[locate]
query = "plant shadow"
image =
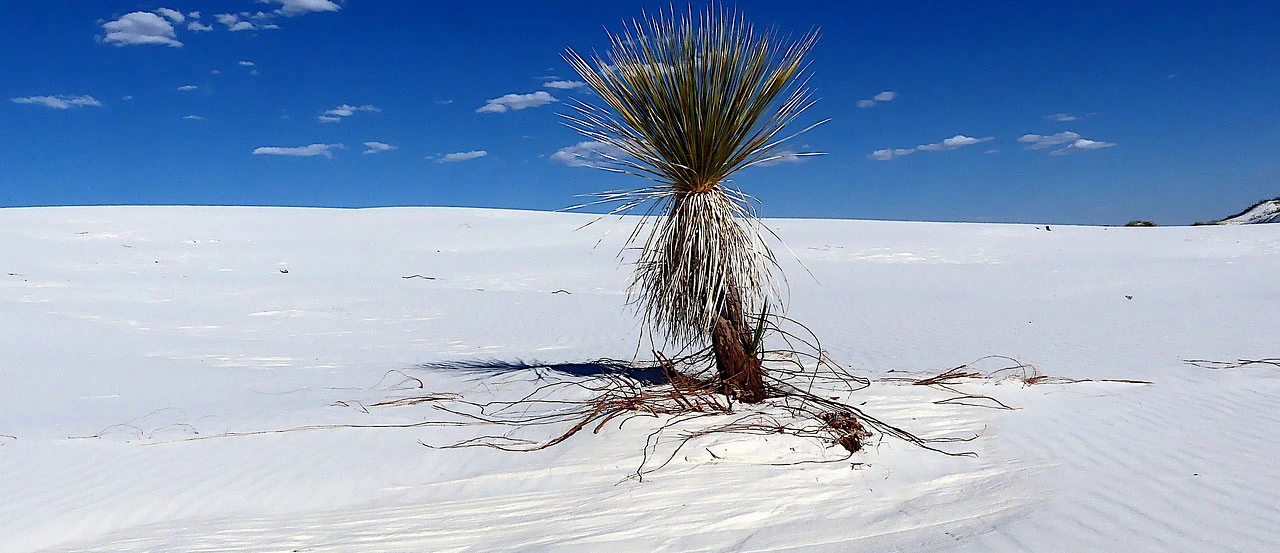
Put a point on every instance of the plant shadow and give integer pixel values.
(646, 374)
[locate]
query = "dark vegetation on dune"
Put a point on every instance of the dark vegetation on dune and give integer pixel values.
(1240, 213)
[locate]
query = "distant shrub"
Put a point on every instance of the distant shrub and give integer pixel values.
(1139, 223)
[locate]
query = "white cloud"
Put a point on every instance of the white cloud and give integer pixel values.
(290, 8)
(188, 88)
(246, 63)
(1083, 144)
(378, 147)
(215, 72)
(127, 97)
(955, 142)
(1040, 142)
(788, 156)
(311, 150)
(233, 22)
(511, 102)
(1073, 143)
(194, 15)
(586, 154)
(890, 153)
(886, 96)
(198, 26)
(140, 28)
(445, 102)
(59, 101)
(173, 15)
(193, 118)
(564, 85)
(1086, 144)
(345, 110)
(1061, 117)
(270, 26)
(460, 156)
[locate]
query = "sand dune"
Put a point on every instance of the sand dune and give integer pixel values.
(135, 339)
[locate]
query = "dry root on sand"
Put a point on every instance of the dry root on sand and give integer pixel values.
(1237, 364)
(1016, 371)
(803, 391)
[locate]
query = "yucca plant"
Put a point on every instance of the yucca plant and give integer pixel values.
(690, 101)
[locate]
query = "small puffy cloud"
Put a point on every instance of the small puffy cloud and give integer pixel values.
(291, 8)
(58, 101)
(127, 97)
(1061, 117)
(890, 153)
(564, 85)
(198, 26)
(1040, 142)
(955, 142)
(1083, 144)
(270, 27)
(444, 102)
(171, 14)
(586, 154)
(234, 23)
(194, 15)
(188, 88)
(193, 118)
(246, 63)
(378, 147)
(886, 96)
(136, 28)
(345, 110)
(787, 156)
(1086, 144)
(460, 156)
(1066, 143)
(512, 102)
(311, 150)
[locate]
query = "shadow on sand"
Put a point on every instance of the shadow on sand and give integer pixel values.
(647, 374)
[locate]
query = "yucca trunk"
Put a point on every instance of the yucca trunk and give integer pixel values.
(740, 371)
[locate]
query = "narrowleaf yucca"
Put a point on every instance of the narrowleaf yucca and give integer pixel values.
(690, 101)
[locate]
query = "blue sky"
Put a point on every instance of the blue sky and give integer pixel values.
(1065, 112)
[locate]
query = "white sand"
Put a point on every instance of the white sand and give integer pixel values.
(145, 325)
